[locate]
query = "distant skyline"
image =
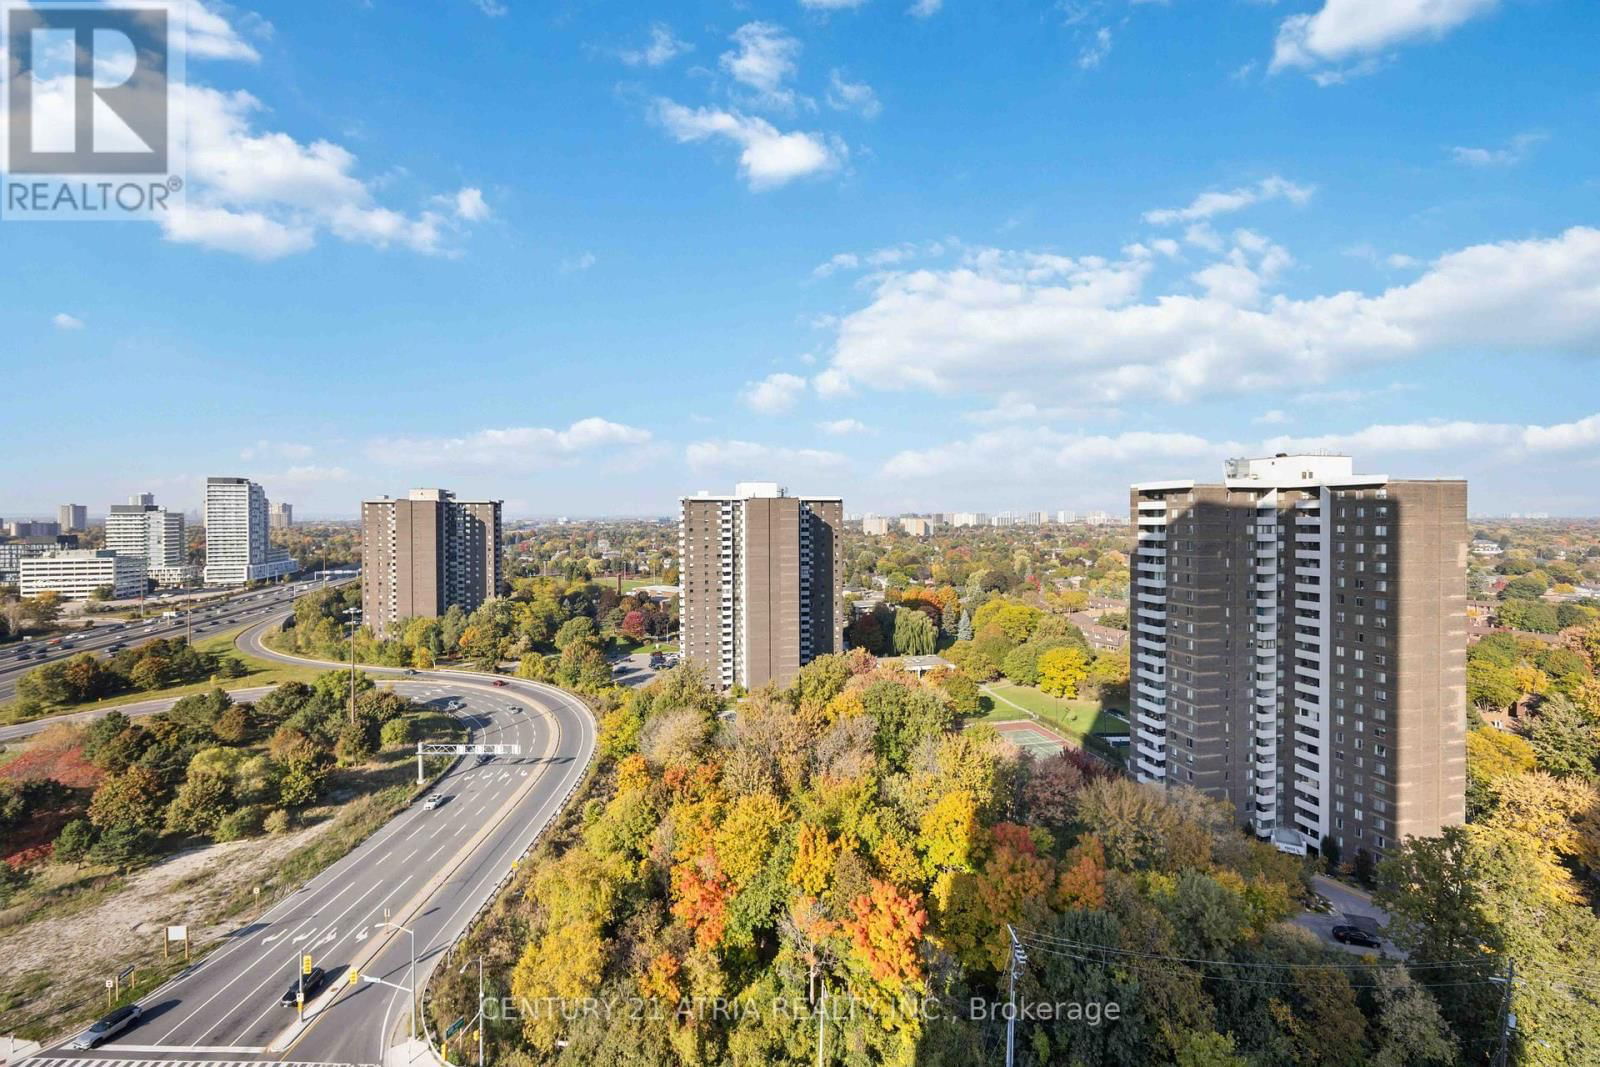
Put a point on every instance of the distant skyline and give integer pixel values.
(930, 256)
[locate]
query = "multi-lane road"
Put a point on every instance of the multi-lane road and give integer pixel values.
(428, 870)
(198, 619)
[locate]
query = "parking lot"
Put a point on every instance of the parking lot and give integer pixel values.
(1348, 903)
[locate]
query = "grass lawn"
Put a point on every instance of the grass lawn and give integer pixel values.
(1078, 720)
(634, 583)
(257, 672)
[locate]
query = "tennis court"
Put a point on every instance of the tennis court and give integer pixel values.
(1031, 736)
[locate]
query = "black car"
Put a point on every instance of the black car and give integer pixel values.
(1354, 935)
(314, 982)
(113, 1024)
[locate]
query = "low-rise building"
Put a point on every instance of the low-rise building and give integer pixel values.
(12, 553)
(874, 526)
(77, 575)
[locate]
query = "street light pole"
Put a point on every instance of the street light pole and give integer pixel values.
(413, 989)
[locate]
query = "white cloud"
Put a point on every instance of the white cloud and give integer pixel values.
(768, 157)
(1209, 205)
(207, 35)
(925, 8)
(1506, 438)
(520, 446)
(1050, 326)
(308, 474)
(662, 49)
(284, 449)
(774, 394)
(1094, 53)
(752, 460)
(764, 60)
(831, 5)
(888, 256)
(1511, 153)
(470, 205)
(842, 427)
(62, 321)
(493, 8)
(1345, 30)
(576, 264)
(1270, 418)
(265, 195)
(1018, 453)
(852, 96)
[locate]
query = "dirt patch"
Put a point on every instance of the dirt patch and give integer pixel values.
(126, 925)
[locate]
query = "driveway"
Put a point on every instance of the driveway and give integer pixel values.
(632, 670)
(1348, 902)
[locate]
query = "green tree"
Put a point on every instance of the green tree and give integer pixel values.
(914, 633)
(130, 800)
(74, 841)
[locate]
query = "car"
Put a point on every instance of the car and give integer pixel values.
(433, 801)
(499, 682)
(313, 982)
(114, 647)
(108, 1026)
(411, 670)
(1354, 935)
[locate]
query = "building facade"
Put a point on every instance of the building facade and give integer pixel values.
(72, 517)
(12, 553)
(427, 552)
(281, 516)
(32, 528)
(762, 584)
(155, 535)
(238, 549)
(77, 575)
(875, 525)
(1299, 648)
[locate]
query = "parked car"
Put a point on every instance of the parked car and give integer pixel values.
(108, 1027)
(1354, 935)
(313, 982)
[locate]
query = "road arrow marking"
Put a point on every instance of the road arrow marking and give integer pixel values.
(362, 936)
(301, 938)
(332, 935)
(274, 937)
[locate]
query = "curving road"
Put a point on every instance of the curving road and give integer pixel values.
(427, 870)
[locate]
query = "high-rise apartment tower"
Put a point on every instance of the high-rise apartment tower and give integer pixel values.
(761, 582)
(422, 554)
(1299, 648)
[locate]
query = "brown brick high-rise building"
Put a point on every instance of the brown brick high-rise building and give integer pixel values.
(425, 553)
(1299, 648)
(761, 582)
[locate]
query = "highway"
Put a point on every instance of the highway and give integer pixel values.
(210, 618)
(428, 870)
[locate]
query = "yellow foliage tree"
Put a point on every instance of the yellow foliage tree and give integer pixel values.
(1062, 670)
(815, 855)
(563, 965)
(950, 833)
(747, 834)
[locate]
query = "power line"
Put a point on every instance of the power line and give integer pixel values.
(1049, 939)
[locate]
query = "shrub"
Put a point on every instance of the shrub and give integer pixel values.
(246, 822)
(397, 733)
(277, 822)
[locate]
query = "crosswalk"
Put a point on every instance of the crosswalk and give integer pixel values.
(48, 1060)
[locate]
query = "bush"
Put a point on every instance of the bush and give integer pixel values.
(246, 822)
(74, 841)
(397, 733)
(277, 822)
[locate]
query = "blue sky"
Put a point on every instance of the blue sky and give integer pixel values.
(935, 256)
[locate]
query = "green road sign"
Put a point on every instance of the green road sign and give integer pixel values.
(455, 1028)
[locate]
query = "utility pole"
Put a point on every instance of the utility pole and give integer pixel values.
(1508, 1021)
(480, 1009)
(822, 1018)
(1018, 956)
